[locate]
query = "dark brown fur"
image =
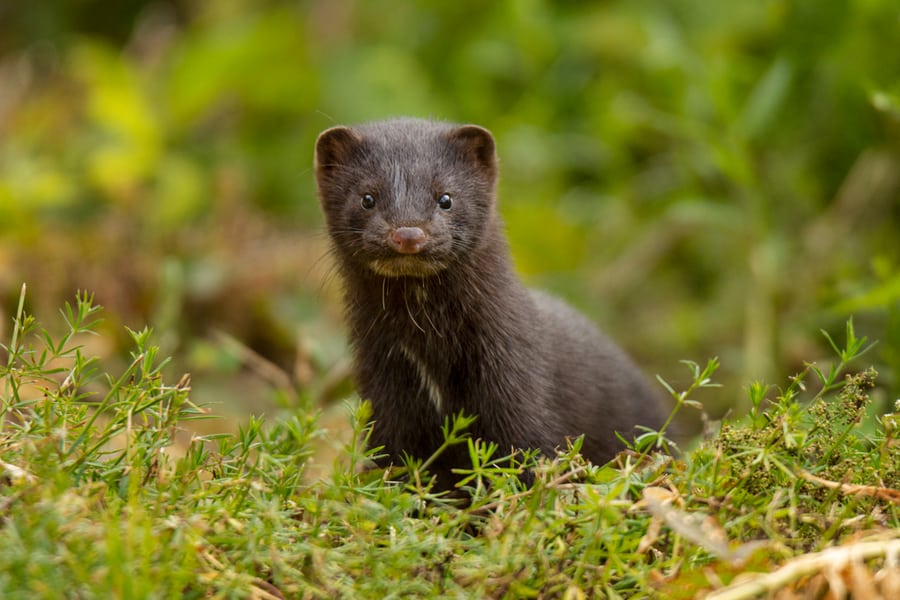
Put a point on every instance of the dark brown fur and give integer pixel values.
(449, 327)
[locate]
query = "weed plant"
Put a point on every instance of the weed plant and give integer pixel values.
(94, 503)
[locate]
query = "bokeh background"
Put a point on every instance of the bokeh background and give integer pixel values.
(702, 178)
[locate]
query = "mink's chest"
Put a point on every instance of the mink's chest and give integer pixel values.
(439, 343)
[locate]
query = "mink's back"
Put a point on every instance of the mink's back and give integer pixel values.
(599, 390)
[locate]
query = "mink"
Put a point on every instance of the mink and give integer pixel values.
(439, 323)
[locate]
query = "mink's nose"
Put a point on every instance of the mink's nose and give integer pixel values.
(407, 240)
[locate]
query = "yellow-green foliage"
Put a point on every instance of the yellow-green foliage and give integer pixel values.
(703, 178)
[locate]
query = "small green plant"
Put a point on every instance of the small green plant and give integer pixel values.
(95, 502)
(98, 500)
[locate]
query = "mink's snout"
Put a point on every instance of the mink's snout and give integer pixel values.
(407, 240)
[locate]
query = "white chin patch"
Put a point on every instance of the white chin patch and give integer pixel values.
(405, 266)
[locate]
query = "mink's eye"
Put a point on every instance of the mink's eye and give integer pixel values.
(445, 202)
(367, 201)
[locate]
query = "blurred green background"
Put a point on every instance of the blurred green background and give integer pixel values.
(703, 179)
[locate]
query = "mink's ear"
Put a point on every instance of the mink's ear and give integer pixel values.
(334, 148)
(476, 144)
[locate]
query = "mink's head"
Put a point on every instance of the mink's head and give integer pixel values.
(407, 197)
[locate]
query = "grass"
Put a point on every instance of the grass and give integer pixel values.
(801, 494)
